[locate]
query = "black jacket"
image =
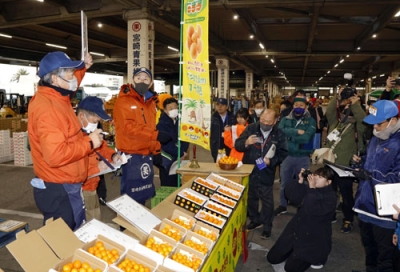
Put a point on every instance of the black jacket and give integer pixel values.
(255, 151)
(217, 128)
(253, 118)
(310, 229)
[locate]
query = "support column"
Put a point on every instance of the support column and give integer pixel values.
(249, 83)
(223, 76)
(140, 40)
(368, 85)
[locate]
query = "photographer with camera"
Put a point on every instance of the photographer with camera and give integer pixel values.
(389, 93)
(346, 134)
(307, 239)
(379, 165)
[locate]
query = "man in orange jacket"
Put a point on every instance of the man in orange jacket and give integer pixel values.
(59, 149)
(135, 134)
(89, 112)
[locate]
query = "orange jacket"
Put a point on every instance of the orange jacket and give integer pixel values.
(135, 122)
(59, 150)
(230, 138)
(106, 152)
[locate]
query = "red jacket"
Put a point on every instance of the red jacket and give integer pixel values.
(59, 149)
(135, 122)
(106, 152)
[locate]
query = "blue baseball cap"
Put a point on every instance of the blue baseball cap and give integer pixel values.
(142, 70)
(55, 60)
(94, 104)
(222, 101)
(380, 111)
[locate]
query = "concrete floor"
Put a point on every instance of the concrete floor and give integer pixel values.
(16, 202)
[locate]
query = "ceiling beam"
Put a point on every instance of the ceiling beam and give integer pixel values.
(311, 35)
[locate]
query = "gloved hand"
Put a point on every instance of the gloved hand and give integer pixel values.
(362, 174)
(163, 137)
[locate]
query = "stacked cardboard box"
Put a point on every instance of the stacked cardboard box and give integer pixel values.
(22, 156)
(5, 146)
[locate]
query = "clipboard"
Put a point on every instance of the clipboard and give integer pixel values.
(386, 195)
(341, 170)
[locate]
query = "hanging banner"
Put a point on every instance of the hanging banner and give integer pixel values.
(196, 104)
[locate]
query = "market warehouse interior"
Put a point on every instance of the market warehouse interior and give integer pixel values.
(294, 44)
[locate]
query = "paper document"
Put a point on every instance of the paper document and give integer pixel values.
(124, 159)
(341, 170)
(271, 152)
(174, 166)
(385, 196)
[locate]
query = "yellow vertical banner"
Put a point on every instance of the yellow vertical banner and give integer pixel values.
(196, 104)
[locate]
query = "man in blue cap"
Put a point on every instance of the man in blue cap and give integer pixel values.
(379, 165)
(220, 119)
(135, 134)
(59, 149)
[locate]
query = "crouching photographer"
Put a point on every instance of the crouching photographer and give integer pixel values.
(379, 165)
(307, 239)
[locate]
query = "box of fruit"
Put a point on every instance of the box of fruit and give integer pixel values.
(182, 219)
(105, 249)
(41, 249)
(81, 261)
(223, 200)
(217, 209)
(186, 256)
(134, 261)
(206, 231)
(190, 200)
(198, 242)
(204, 187)
(228, 192)
(211, 219)
(171, 229)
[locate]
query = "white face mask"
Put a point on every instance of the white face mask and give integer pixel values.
(72, 84)
(90, 126)
(173, 113)
(258, 111)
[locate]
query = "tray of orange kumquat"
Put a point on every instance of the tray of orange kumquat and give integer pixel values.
(217, 209)
(210, 219)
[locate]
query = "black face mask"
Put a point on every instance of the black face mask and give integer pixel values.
(266, 128)
(141, 88)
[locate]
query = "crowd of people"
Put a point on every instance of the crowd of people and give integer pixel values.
(68, 152)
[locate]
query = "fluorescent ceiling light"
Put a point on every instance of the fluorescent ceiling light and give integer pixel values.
(173, 48)
(382, 75)
(341, 60)
(99, 25)
(347, 56)
(362, 80)
(266, 56)
(336, 65)
(55, 45)
(358, 48)
(328, 72)
(97, 54)
(373, 77)
(235, 16)
(275, 66)
(272, 60)
(374, 36)
(397, 14)
(5, 36)
(261, 45)
(40, 0)
(251, 36)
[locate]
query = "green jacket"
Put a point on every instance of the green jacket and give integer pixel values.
(295, 141)
(346, 148)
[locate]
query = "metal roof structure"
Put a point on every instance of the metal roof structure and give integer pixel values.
(305, 42)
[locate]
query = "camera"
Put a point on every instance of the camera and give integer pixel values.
(396, 81)
(348, 92)
(305, 176)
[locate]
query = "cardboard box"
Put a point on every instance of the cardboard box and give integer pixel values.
(185, 220)
(108, 245)
(190, 200)
(159, 238)
(206, 231)
(82, 256)
(42, 249)
(210, 219)
(163, 268)
(181, 230)
(228, 192)
(9, 229)
(204, 187)
(217, 209)
(234, 186)
(223, 200)
(138, 258)
(217, 178)
(200, 240)
(185, 250)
